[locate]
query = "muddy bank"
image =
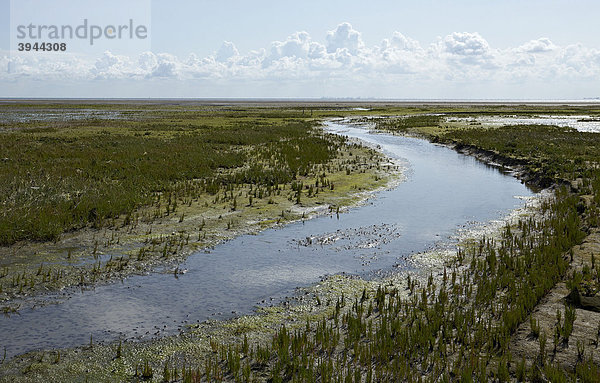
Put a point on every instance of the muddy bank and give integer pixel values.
(327, 293)
(517, 166)
(549, 316)
(31, 273)
(118, 361)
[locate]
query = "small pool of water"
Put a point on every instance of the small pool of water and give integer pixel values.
(443, 191)
(580, 123)
(13, 116)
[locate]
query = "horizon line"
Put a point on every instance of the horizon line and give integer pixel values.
(304, 99)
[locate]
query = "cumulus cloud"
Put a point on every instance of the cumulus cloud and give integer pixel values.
(109, 66)
(344, 37)
(50, 66)
(164, 69)
(147, 61)
(402, 42)
(317, 51)
(537, 46)
(296, 45)
(340, 55)
(466, 44)
(226, 52)
(579, 61)
(464, 49)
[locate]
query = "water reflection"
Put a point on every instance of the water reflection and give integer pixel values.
(444, 190)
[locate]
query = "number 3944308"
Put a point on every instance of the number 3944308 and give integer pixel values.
(44, 47)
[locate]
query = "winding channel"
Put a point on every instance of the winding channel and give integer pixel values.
(443, 192)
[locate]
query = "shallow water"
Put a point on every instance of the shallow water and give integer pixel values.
(579, 123)
(60, 115)
(444, 191)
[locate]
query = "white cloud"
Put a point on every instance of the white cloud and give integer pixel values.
(462, 51)
(580, 62)
(50, 66)
(110, 66)
(226, 52)
(147, 61)
(343, 58)
(316, 51)
(466, 44)
(297, 45)
(402, 42)
(344, 36)
(164, 69)
(537, 46)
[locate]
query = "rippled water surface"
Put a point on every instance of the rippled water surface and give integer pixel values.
(62, 114)
(580, 123)
(443, 191)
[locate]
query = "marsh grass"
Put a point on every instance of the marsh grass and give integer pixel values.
(459, 328)
(65, 177)
(407, 124)
(555, 153)
(454, 328)
(149, 189)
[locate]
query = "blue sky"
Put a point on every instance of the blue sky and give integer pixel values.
(386, 49)
(254, 24)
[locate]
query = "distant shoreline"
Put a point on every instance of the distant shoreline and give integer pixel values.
(296, 101)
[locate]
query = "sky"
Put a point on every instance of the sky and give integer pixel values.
(428, 49)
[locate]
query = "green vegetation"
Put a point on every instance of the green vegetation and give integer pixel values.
(55, 179)
(156, 183)
(455, 327)
(461, 328)
(407, 124)
(549, 154)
